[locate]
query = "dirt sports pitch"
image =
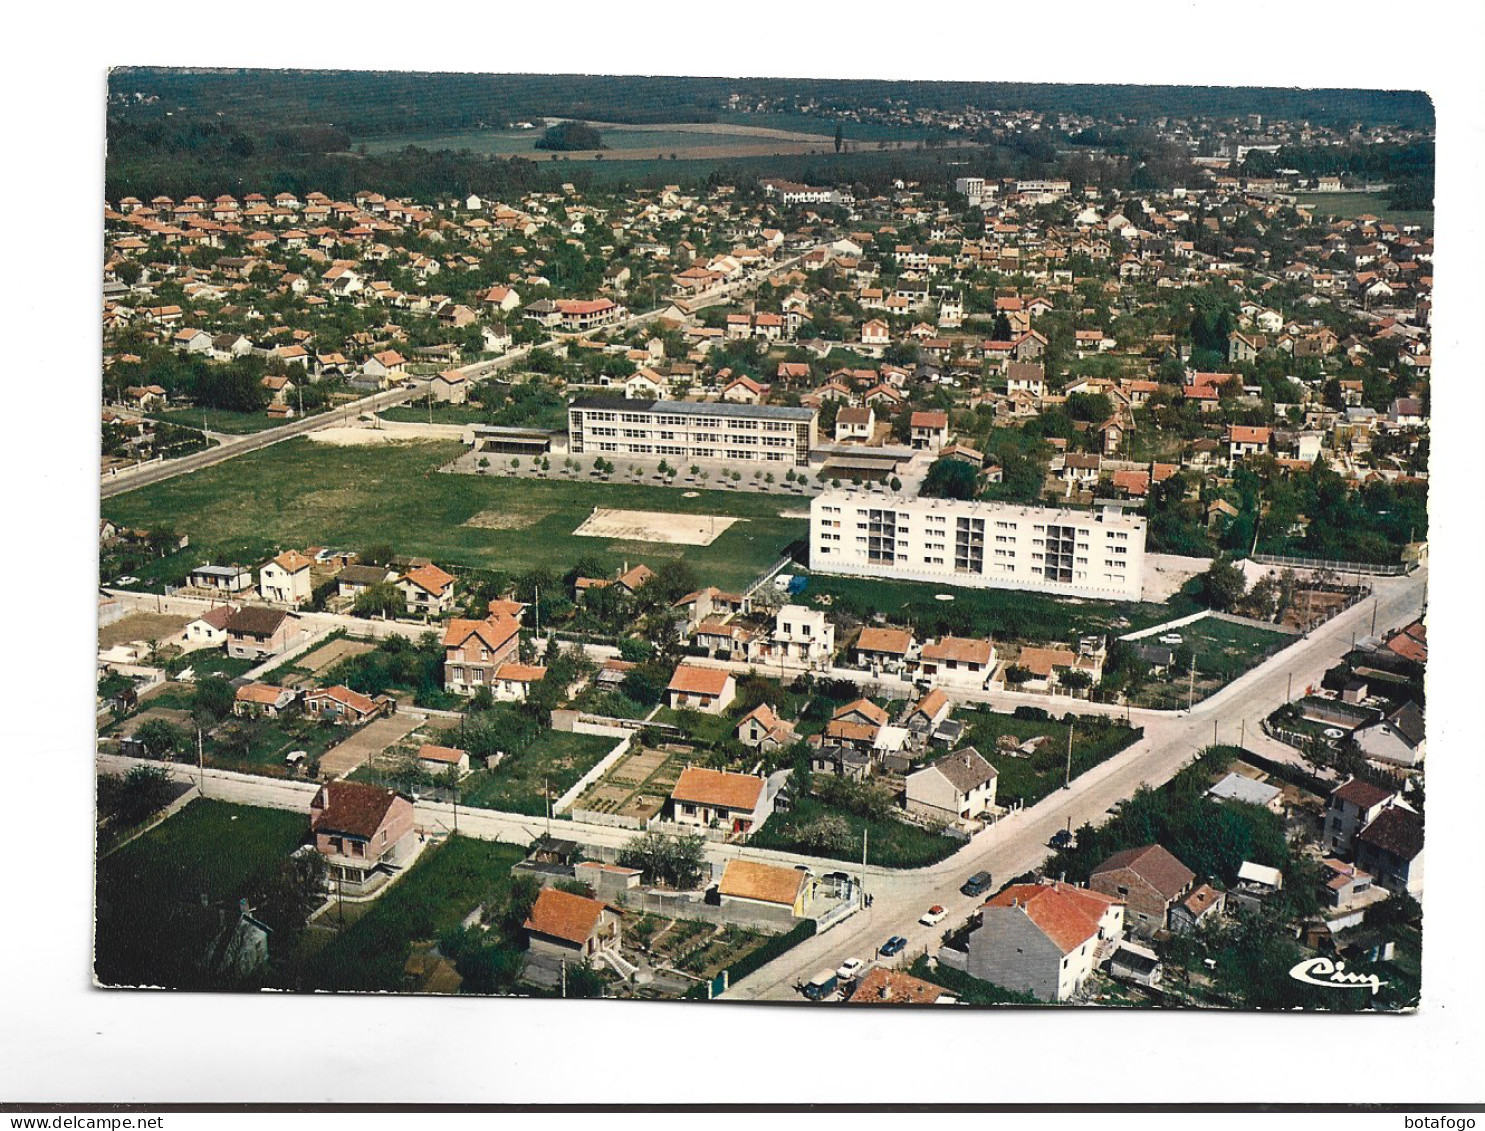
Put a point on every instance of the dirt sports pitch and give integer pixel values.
(654, 526)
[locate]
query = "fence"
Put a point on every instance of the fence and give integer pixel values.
(1376, 569)
(603, 766)
(755, 960)
(612, 820)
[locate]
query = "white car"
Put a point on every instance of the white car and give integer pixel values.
(933, 916)
(849, 969)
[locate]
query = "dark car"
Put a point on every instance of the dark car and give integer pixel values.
(1061, 839)
(892, 946)
(978, 884)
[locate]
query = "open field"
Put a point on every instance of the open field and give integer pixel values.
(1345, 205)
(1223, 651)
(141, 626)
(299, 493)
(553, 763)
(654, 526)
(218, 420)
(979, 612)
(1029, 778)
(890, 843)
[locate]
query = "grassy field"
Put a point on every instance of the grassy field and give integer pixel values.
(980, 612)
(151, 926)
(1223, 651)
(1029, 779)
(301, 493)
(441, 414)
(555, 762)
(890, 843)
(446, 884)
(1345, 205)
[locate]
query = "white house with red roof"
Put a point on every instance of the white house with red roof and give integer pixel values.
(1045, 939)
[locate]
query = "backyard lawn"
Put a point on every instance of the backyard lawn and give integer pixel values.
(219, 420)
(555, 761)
(302, 493)
(447, 883)
(1223, 651)
(890, 843)
(1030, 778)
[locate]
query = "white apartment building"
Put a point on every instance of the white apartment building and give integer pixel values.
(1056, 550)
(691, 430)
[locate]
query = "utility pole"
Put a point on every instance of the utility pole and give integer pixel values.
(1214, 732)
(547, 793)
(1191, 685)
(200, 762)
(1067, 777)
(1374, 618)
(1242, 734)
(1289, 695)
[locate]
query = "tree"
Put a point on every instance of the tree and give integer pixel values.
(213, 697)
(381, 600)
(950, 479)
(1222, 586)
(840, 137)
(675, 861)
(583, 981)
(1016, 675)
(520, 898)
(160, 739)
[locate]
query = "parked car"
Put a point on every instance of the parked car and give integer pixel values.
(933, 916)
(978, 884)
(822, 985)
(892, 946)
(849, 969)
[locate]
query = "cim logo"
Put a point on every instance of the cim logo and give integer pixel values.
(1332, 975)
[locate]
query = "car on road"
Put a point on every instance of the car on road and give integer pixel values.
(1061, 839)
(892, 946)
(821, 986)
(978, 884)
(933, 916)
(127, 579)
(849, 969)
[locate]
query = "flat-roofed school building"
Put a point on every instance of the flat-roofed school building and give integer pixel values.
(691, 430)
(1058, 550)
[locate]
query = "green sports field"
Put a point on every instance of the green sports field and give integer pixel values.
(304, 493)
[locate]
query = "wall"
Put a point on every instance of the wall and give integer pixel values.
(603, 766)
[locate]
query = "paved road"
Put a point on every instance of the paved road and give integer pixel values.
(1017, 844)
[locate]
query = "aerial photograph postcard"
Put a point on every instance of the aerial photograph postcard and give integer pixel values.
(719, 540)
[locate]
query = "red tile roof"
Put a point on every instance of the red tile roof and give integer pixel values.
(701, 786)
(562, 915)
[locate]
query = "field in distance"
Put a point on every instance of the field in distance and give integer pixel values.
(299, 493)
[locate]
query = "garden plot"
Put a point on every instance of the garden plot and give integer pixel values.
(636, 786)
(654, 526)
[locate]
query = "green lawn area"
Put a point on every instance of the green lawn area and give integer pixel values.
(556, 761)
(302, 493)
(442, 414)
(1223, 651)
(211, 661)
(1346, 205)
(151, 927)
(1029, 779)
(220, 420)
(448, 882)
(708, 730)
(980, 612)
(253, 745)
(890, 843)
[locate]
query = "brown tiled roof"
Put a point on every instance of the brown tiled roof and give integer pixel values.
(884, 986)
(1397, 831)
(1200, 899)
(256, 620)
(1155, 865)
(767, 883)
(960, 649)
(428, 752)
(1362, 794)
(1067, 915)
(353, 808)
(258, 693)
(932, 703)
(494, 631)
(430, 578)
(292, 561)
(693, 679)
(865, 707)
(342, 694)
(965, 770)
(894, 640)
(219, 616)
(1041, 661)
(521, 673)
(701, 786)
(562, 915)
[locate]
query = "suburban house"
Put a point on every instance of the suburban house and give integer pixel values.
(355, 579)
(1044, 939)
(513, 682)
(1345, 884)
(957, 661)
(1236, 787)
(474, 650)
(853, 424)
(1205, 904)
(286, 579)
(696, 688)
(563, 928)
(211, 626)
(254, 699)
(342, 705)
(1351, 807)
(856, 724)
(1391, 849)
(1149, 880)
(883, 649)
(361, 830)
(702, 797)
(766, 887)
(956, 787)
(762, 727)
(256, 631)
(1397, 740)
(221, 579)
(428, 590)
(802, 634)
(439, 760)
(928, 713)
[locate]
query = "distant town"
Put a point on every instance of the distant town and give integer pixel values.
(897, 589)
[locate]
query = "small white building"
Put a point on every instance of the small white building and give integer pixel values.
(286, 580)
(802, 634)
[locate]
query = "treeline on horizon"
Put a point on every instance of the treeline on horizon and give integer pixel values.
(378, 103)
